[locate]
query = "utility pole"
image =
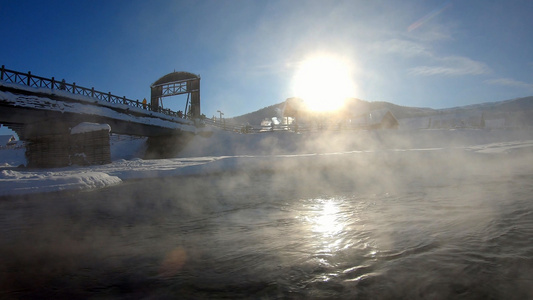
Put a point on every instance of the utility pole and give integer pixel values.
(223, 121)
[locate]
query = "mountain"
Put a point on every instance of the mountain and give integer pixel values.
(354, 106)
(509, 113)
(513, 105)
(255, 118)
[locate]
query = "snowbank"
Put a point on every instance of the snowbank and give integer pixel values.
(16, 183)
(277, 152)
(89, 127)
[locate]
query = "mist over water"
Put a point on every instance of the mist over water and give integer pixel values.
(394, 222)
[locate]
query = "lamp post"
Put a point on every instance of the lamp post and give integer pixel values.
(223, 121)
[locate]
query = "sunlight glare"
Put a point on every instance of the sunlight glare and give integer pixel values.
(326, 222)
(324, 82)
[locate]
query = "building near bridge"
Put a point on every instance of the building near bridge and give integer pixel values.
(296, 115)
(7, 140)
(377, 119)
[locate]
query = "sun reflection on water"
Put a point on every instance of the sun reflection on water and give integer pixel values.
(327, 221)
(339, 238)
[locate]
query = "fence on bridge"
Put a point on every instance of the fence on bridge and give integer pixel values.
(229, 125)
(31, 80)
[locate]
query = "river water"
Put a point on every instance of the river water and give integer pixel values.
(392, 225)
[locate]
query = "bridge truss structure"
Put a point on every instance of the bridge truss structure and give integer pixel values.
(178, 83)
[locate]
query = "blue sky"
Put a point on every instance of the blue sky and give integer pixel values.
(423, 53)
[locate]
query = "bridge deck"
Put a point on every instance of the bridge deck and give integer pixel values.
(28, 106)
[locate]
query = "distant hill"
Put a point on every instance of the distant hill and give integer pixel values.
(355, 106)
(255, 118)
(507, 106)
(509, 113)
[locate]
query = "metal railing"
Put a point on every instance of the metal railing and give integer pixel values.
(31, 80)
(229, 125)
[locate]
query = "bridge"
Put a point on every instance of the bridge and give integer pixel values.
(43, 111)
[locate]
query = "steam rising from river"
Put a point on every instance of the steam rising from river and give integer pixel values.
(309, 216)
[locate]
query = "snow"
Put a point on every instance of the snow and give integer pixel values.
(14, 182)
(506, 147)
(231, 152)
(89, 127)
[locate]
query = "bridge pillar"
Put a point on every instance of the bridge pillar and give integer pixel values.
(84, 146)
(48, 151)
(166, 146)
(90, 147)
(155, 94)
(195, 104)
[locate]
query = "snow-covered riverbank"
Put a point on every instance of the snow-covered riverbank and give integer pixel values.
(229, 152)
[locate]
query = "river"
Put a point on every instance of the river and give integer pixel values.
(395, 225)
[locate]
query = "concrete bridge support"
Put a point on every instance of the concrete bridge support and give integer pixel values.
(167, 146)
(90, 148)
(86, 146)
(48, 151)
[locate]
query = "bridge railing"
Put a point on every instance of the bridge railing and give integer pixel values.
(31, 80)
(228, 125)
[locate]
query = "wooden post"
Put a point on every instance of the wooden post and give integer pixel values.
(53, 83)
(29, 76)
(2, 73)
(92, 92)
(74, 88)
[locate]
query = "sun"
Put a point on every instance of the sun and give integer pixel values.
(324, 82)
